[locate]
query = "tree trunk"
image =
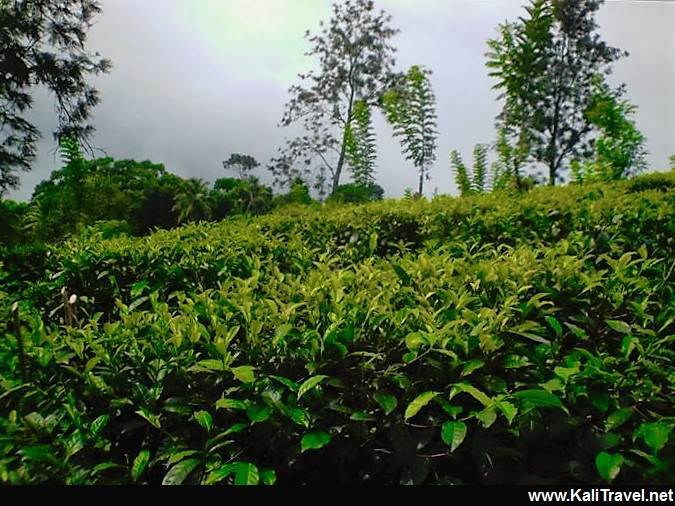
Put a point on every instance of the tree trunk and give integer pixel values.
(551, 173)
(421, 187)
(340, 164)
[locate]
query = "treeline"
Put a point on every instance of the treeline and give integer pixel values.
(559, 112)
(118, 197)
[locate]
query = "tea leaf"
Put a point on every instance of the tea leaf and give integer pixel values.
(247, 474)
(314, 441)
(418, 403)
(310, 383)
(244, 373)
(139, 464)
(453, 434)
(608, 465)
(387, 402)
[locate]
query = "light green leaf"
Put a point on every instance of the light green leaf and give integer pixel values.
(247, 474)
(453, 434)
(209, 365)
(282, 331)
(508, 410)
(139, 465)
(608, 465)
(414, 341)
(314, 441)
(515, 361)
(418, 403)
(471, 366)
(152, 418)
(307, 385)
(540, 399)
(618, 418)
(98, 425)
(619, 326)
(372, 243)
(565, 373)
(224, 403)
(487, 417)
(300, 416)
(204, 419)
(219, 474)
(244, 373)
(629, 344)
(472, 391)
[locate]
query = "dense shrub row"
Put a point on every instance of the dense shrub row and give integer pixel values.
(479, 340)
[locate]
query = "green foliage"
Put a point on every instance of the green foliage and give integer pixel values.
(545, 65)
(84, 192)
(619, 146)
(486, 339)
(192, 203)
(240, 196)
(507, 170)
(299, 194)
(43, 46)
(356, 194)
(353, 63)
(12, 216)
(471, 181)
(411, 110)
(360, 147)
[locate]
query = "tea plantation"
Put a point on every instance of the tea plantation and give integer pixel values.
(494, 339)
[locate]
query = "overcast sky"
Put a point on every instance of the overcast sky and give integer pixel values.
(195, 80)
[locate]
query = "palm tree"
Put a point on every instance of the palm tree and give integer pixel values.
(192, 202)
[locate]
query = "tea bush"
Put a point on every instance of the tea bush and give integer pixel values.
(487, 339)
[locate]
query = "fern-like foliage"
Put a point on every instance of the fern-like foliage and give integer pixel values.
(411, 110)
(461, 173)
(471, 180)
(70, 151)
(480, 168)
(360, 147)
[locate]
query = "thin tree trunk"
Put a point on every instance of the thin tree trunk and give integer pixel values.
(421, 187)
(343, 148)
(340, 164)
(551, 173)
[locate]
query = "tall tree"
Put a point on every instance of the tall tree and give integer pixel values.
(42, 43)
(411, 110)
(545, 64)
(355, 61)
(618, 148)
(243, 165)
(360, 145)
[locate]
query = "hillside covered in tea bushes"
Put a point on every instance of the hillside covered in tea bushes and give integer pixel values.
(520, 339)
